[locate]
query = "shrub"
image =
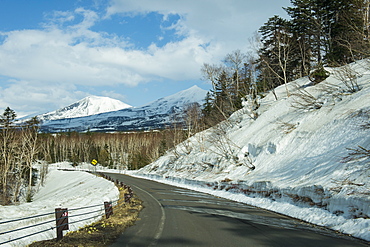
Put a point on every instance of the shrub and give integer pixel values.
(319, 74)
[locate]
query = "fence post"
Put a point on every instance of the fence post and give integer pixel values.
(128, 197)
(61, 217)
(108, 209)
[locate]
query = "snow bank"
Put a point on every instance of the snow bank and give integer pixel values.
(297, 152)
(65, 189)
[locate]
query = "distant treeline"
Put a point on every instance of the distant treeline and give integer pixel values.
(23, 145)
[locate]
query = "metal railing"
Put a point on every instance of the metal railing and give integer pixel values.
(64, 217)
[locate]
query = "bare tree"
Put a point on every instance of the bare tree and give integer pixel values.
(193, 122)
(358, 24)
(8, 149)
(356, 154)
(283, 54)
(235, 60)
(251, 96)
(30, 136)
(348, 77)
(223, 145)
(303, 100)
(211, 73)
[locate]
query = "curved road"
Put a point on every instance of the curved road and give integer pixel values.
(174, 216)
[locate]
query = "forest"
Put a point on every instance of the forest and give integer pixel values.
(22, 145)
(318, 33)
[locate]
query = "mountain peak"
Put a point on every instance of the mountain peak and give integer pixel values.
(87, 106)
(190, 95)
(155, 115)
(195, 87)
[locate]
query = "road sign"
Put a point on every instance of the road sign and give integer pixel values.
(94, 162)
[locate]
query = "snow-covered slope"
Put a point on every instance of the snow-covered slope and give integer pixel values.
(66, 189)
(157, 114)
(90, 105)
(297, 145)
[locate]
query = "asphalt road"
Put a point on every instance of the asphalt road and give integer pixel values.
(179, 217)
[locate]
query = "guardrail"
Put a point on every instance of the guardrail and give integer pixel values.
(64, 217)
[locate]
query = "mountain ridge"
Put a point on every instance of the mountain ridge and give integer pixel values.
(87, 106)
(154, 115)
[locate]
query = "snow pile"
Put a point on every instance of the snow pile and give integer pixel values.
(297, 145)
(63, 189)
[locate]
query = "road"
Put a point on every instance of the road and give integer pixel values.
(174, 216)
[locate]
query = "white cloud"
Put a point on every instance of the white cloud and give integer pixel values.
(27, 97)
(52, 62)
(114, 95)
(227, 22)
(78, 55)
(48, 64)
(69, 52)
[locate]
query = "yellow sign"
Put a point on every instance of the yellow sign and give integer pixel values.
(94, 162)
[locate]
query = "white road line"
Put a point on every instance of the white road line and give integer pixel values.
(161, 223)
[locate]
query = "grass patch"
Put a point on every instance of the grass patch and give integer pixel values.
(103, 232)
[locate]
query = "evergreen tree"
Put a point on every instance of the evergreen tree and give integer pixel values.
(329, 31)
(349, 31)
(302, 28)
(225, 97)
(276, 54)
(221, 95)
(7, 118)
(208, 105)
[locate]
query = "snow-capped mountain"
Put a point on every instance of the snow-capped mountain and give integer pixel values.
(155, 115)
(90, 105)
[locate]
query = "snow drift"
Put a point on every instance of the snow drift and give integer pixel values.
(70, 189)
(299, 146)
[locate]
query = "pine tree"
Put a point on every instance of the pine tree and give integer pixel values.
(208, 105)
(276, 55)
(329, 31)
(7, 118)
(302, 28)
(351, 22)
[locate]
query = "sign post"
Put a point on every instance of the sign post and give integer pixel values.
(94, 162)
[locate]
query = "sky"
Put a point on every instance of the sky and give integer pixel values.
(54, 53)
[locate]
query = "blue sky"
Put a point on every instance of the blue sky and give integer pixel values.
(55, 52)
